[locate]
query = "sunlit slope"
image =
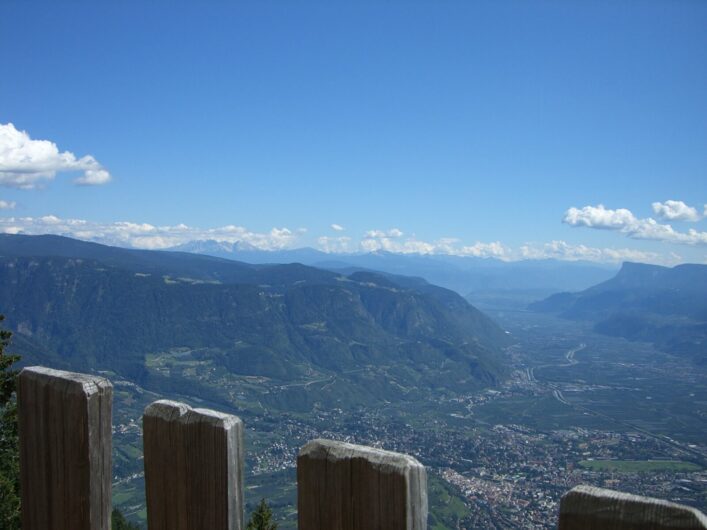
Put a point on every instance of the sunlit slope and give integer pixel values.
(83, 306)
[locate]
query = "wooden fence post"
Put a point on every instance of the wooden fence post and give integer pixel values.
(342, 486)
(193, 468)
(65, 450)
(586, 507)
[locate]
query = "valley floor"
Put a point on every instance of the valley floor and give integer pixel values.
(578, 408)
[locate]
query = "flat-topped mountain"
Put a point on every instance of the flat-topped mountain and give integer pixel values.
(667, 306)
(84, 305)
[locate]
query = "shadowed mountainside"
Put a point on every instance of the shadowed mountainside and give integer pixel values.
(83, 305)
(666, 306)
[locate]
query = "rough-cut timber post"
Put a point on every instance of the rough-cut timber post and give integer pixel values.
(65, 450)
(586, 507)
(342, 486)
(193, 468)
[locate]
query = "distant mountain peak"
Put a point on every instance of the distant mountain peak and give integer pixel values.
(663, 305)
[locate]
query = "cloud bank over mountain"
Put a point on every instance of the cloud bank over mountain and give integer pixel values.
(145, 235)
(148, 236)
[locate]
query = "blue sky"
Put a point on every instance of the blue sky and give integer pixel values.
(463, 127)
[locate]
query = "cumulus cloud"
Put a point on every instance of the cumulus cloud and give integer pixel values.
(7, 205)
(487, 250)
(565, 251)
(93, 177)
(392, 241)
(147, 236)
(559, 250)
(624, 221)
(382, 234)
(26, 163)
(675, 211)
(377, 240)
(599, 217)
(335, 245)
(408, 246)
(337, 228)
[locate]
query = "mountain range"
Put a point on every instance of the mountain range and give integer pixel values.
(463, 274)
(666, 306)
(88, 306)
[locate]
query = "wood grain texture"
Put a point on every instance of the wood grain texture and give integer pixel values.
(342, 486)
(193, 468)
(65, 450)
(586, 507)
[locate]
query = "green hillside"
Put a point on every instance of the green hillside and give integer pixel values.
(95, 307)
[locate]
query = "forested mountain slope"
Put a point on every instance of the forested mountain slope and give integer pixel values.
(89, 306)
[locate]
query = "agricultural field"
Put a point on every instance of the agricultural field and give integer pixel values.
(638, 466)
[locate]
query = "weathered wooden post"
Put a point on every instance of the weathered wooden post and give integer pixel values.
(586, 507)
(193, 468)
(342, 486)
(65, 450)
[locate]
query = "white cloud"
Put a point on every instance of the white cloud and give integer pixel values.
(599, 217)
(380, 234)
(564, 251)
(623, 220)
(335, 245)
(149, 236)
(559, 250)
(27, 163)
(487, 250)
(675, 211)
(392, 241)
(144, 235)
(408, 246)
(7, 205)
(93, 177)
(337, 228)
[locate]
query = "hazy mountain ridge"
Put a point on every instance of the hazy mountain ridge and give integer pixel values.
(110, 308)
(462, 274)
(667, 306)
